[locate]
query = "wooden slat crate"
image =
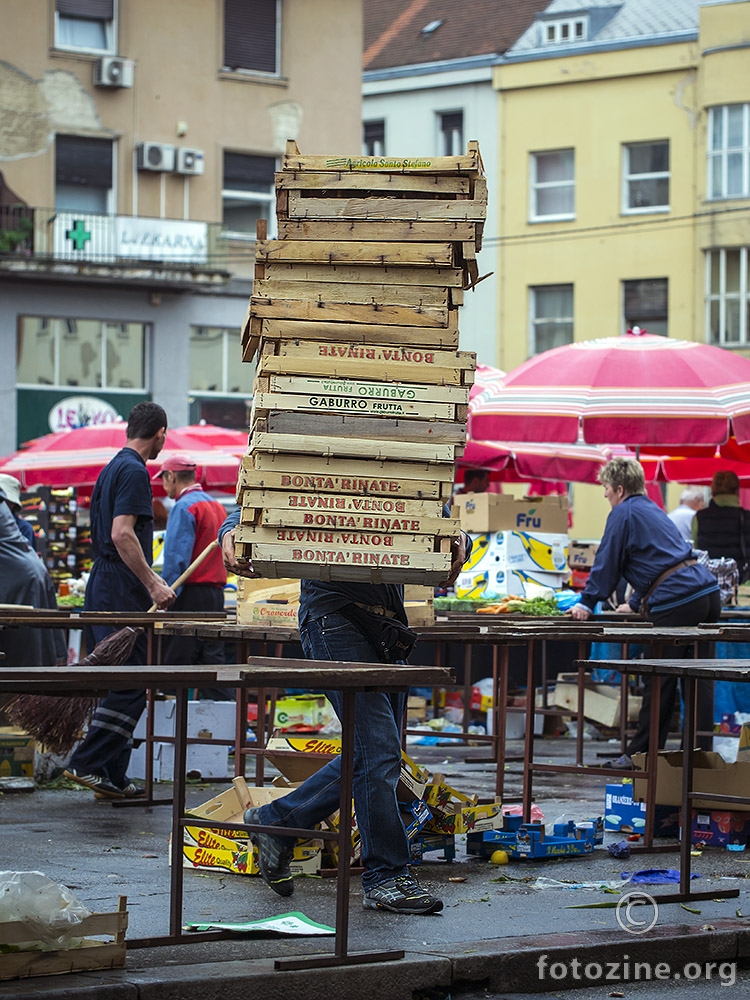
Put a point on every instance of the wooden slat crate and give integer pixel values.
(291, 414)
(92, 954)
(361, 394)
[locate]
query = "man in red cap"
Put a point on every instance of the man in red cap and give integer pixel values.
(193, 523)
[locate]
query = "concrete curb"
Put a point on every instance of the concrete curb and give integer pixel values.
(501, 964)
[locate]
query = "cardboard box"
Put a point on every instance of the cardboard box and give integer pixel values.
(268, 613)
(208, 761)
(711, 774)
(498, 582)
(719, 828)
(303, 712)
(415, 816)
(539, 551)
(219, 849)
(501, 512)
(470, 819)
(621, 811)
(601, 702)
(216, 718)
(16, 753)
(581, 553)
(298, 758)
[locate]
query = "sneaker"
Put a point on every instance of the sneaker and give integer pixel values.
(129, 791)
(623, 763)
(274, 857)
(97, 783)
(401, 894)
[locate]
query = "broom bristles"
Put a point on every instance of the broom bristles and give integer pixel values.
(56, 722)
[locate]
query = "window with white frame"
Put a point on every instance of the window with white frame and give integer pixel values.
(728, 296)
(551, 317)
(451, 128)
(252, 31)
(373, 138)
(86, 25)
(215, 362)
(83, 174)
(553, 185)
(645, 177)
(81, 352)
(645, 303)
(729, 151)
(248, 193)
(568, 29)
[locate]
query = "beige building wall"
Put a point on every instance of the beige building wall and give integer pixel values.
(177, 47)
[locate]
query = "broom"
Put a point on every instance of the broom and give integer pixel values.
(56, 721)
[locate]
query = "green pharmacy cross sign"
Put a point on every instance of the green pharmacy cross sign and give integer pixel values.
(78, 235)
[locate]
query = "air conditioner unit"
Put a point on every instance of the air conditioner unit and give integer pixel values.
(154, 156)
(112, 71)
(189, 161)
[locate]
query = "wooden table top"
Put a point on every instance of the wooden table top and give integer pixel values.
(715, 670)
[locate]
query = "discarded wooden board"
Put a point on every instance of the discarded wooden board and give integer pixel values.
(327, 247)
(364, 448)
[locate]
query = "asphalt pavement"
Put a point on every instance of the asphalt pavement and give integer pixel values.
(504, 929)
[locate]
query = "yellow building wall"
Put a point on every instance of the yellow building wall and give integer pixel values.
(595, 104)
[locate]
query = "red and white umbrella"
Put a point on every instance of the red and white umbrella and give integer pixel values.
(76, 457)
(634, 390)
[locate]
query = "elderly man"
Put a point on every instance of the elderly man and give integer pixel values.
(691, 500)
(12, 490)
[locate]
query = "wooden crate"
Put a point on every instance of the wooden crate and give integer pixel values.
(279, 414)
(93, 954)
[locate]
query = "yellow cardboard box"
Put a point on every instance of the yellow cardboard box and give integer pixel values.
(16, 753)
(470, 819)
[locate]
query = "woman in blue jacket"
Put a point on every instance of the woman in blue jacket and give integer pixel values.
(641, 544)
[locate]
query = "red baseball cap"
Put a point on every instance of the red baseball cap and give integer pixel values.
(178, 461)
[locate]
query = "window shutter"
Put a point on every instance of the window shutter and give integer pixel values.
(250, 35)
(91, 10)
(244, 172)
(83, 161)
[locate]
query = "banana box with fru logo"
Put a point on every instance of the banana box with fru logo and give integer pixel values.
(508, 562)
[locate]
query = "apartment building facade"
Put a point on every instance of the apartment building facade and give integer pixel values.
(138, 144)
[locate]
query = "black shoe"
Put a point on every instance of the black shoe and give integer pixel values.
(623, 763)
(274, 857)
(103, 788)
(401, 894)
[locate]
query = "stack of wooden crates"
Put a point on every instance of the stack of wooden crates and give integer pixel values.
(360, 398)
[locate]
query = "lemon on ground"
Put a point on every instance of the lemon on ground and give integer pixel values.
(499, 858)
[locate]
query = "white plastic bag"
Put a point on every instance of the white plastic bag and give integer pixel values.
(51, 911)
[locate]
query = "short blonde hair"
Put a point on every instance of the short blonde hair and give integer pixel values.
(625, 472)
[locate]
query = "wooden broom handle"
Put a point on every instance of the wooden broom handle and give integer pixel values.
(192, 567)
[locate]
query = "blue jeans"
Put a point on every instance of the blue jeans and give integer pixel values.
(377, 760)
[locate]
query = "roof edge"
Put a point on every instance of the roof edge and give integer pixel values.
(584, 48)
(423, 69)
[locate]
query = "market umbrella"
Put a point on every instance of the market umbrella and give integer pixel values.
(76, 457)
(633, 390)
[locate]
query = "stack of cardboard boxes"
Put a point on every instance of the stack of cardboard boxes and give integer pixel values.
(518, 544)
(52, 513)
(360, 398)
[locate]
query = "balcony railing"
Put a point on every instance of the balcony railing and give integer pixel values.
(45, 233)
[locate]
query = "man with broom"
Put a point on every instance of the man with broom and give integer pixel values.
(121, 580)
